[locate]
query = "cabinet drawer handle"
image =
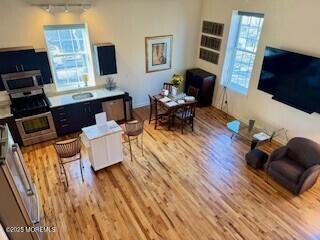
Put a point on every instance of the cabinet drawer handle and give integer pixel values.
(63, 120)
(60, 108)
(62, 114)
(65, 125)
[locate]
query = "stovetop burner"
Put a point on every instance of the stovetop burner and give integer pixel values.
(29, 105)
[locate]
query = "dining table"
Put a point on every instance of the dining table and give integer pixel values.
(172, 104)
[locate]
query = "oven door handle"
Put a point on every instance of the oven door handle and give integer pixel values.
(32, 117)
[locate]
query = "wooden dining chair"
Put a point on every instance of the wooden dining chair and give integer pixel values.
(186, 115)
(152, 108)
(160, 113)
(193, 91)
(132, 131)
(69, 151)
(156, 112)
(168, 86)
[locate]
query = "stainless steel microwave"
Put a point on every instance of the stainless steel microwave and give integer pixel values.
(22, 81)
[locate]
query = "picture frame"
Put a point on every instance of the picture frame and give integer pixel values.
(158, 53)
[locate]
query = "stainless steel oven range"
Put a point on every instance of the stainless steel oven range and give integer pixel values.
(30, 106)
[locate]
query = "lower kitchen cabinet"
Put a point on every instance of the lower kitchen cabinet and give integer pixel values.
(89, 110)
(71, 118)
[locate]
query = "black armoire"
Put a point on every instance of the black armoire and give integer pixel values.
(204, 81)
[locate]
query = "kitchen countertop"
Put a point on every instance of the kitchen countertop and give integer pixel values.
(5, 112)
(66, 99)
(95, 131)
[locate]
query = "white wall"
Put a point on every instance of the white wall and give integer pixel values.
(289, 24)
(122, 22)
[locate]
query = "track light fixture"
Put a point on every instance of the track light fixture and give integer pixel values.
(48, 8)
(63, 7)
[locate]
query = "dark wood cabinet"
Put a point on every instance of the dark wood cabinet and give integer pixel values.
(44, 67)
(106, 59)
(66, 119)
(26, 60)
(88, 111)
(19, 60)
(204, 81)
(71, 118)
(15, 61)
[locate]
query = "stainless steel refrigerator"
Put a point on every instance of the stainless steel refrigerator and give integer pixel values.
(19, 201)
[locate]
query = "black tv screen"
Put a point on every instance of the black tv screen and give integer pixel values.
(292, 78)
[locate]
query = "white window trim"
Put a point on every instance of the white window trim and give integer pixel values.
(231, 51)
(91, 75)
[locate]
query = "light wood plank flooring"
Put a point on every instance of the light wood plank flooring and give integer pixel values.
(191, 186)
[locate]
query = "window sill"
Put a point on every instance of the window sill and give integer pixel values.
(237, 88)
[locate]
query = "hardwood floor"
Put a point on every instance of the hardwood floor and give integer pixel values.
(191, 186)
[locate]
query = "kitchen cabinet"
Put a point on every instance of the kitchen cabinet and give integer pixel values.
(66, 119)
(71, 118)
(106, 59)
(89, 110)
(44, 67)
(104, 144)
(24, 59)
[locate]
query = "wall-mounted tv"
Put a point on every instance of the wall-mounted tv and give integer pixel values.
(292, 78)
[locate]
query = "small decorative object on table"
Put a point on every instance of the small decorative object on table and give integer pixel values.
(110, 84)
(176, 80)
(164, 92)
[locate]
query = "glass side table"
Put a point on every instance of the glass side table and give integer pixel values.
(249, 131)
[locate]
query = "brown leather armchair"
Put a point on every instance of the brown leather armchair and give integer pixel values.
(296, 166)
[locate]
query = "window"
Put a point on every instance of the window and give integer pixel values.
(70, 56)
(243, 40)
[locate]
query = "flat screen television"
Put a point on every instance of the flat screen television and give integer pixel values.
(292, 78)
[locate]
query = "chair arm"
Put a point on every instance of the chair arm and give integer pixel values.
(308, 178)
(276, 155)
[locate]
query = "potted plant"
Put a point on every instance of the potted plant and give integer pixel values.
(176, 80)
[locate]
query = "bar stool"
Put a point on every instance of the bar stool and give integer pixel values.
(132, 131)
(66, 150)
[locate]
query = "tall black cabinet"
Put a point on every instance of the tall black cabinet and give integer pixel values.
(204, 81)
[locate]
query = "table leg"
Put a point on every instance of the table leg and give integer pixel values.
(169, 120)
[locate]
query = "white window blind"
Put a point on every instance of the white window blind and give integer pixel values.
(70, 56)
(242, 46)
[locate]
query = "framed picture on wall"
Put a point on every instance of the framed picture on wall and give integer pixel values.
(158, 53)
